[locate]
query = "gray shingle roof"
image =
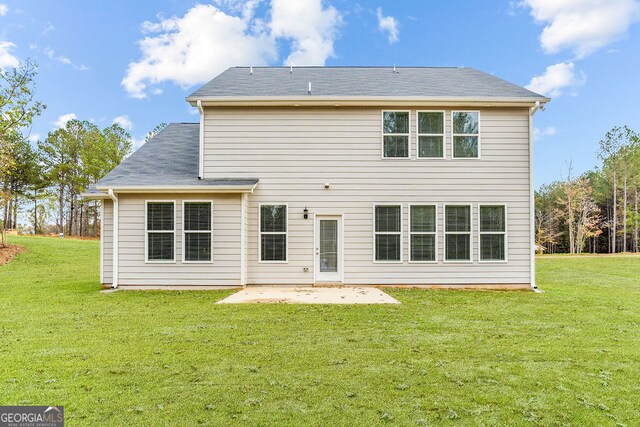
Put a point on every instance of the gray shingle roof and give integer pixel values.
(361, 81)
(169, 159)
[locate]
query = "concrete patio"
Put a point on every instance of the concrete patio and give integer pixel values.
(309, 295)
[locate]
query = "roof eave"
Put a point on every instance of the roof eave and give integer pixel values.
(200, 188)
(339, 101)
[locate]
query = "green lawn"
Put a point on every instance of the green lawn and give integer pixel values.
(568, 356)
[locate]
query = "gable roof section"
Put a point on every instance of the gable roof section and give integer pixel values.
(411, 83)
(168, 161)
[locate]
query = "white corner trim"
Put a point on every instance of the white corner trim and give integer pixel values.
(201, 141)
(116, 243)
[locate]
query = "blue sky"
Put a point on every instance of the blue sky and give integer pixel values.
(135, 61)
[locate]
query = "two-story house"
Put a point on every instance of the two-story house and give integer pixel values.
(331, 175)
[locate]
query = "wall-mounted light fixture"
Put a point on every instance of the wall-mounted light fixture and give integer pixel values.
(306, 212)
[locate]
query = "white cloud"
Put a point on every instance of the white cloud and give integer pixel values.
(124, 122)
(582, 26)
(542, 133)
(4, 9)
(63, 59)
(207, 40)
(63, 119)
(556, 79)
(34, 137)
(49, 28)
(7, 60)
(310, 26)
(194, 48)
(388, 24)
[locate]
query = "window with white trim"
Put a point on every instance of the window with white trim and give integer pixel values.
(493, 232)
(457, 233)
(430, 134)
(422, 233)
(466, 134)
(273, 233)
(197, 231)
(395, 134)
(160, 231)
(388, 233)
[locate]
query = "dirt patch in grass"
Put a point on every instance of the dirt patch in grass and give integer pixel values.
(9, 252)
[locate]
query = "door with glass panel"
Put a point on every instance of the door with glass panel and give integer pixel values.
(328, 241)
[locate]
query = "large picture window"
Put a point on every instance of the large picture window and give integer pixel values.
(273, 233)
(457, 233)
(422, 233)
(388, 233)
(466, 134)
(430, 134)
(197, 231)
(395, 134)
(493, 232)
(160, 231)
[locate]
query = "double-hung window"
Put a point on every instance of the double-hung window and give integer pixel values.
(493, 232)
(395, 134)
(457, 233)
(430, 134)
(422, 233)
(388, 233)
(466, 134)
(160, 231)
(197, 240)
(273, 233)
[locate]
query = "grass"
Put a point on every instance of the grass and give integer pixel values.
(568, 356)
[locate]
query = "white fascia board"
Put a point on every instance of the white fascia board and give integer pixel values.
(366, 101)
(183, 189)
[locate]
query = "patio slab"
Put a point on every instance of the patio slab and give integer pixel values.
(309, 295)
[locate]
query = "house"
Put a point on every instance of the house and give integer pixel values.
(331, 175)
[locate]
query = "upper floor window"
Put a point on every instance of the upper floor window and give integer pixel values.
(493, 232)
(160, 231)
(273, 233)
(395, 134)
(431, 134)
(457, 233)
(197, 231)
(388, 233)
(466, 134)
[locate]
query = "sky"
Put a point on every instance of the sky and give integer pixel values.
(134, 62)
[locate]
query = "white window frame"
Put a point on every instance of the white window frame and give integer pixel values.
(453, 135)
(146, 232)
(401, 233)
(382, 135)
(184, 232)
(504, 233)
(260, 233)
(443, 135)
(434, 233)
(470, 233)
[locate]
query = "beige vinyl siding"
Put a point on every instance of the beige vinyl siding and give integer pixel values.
(107, 242)
(223, 271)
(294, 151)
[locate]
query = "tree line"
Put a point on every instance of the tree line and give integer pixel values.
(50, 175)
(597, 211)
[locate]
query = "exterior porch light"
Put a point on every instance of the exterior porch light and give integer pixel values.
(306, 213)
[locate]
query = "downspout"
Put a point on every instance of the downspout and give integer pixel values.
(115, 238)
(532, 228)
(201, 142)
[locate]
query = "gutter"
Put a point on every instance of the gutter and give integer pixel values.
(201, 141)
(201, 188)
(532, 228)
(337, 101)
(113, 197)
